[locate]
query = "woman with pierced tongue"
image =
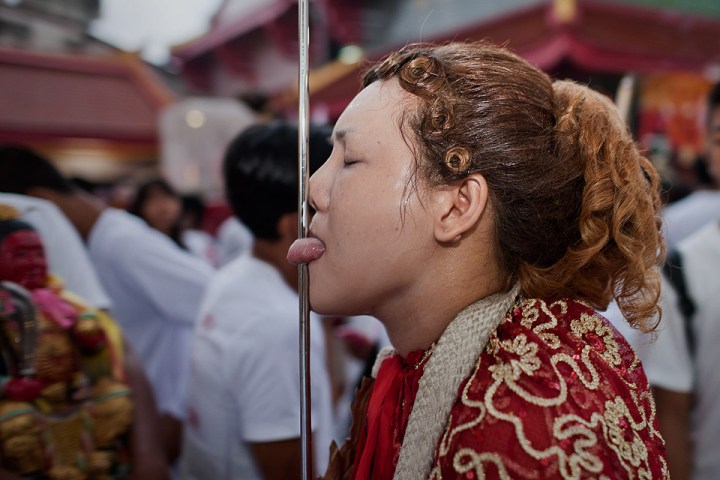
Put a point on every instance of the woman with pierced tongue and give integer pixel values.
(484, 213)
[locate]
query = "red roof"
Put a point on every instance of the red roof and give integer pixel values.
(598, 37)
(606, 37)
(48, 96)
(222, 33)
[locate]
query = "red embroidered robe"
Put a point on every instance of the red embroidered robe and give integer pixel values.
(557, 393)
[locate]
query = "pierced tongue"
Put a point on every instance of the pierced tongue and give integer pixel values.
(305, 250)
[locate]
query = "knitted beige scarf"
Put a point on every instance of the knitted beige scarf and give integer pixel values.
(452, 361)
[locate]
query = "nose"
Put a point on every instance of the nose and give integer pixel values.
(318, 194)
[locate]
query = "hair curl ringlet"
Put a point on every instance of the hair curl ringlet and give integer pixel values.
(421, 72)
(457, 160)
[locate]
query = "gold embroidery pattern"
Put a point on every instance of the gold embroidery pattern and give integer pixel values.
(449, 434)
(467, 460)
(554, 371)
(593, 325)
(621, 432)
(531, 314)
(527, 362)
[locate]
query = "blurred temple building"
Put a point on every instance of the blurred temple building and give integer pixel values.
(106, 113)
(82, 102)
(669, 50)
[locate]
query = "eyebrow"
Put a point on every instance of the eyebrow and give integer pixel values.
(339, 135)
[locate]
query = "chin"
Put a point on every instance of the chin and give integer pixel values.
(331, 306)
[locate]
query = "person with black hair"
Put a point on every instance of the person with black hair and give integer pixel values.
(155, 287)
(160, 206)
(244, 419)
(177, 216)
(164, 209)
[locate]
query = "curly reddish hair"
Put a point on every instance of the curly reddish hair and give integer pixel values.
(576, 205)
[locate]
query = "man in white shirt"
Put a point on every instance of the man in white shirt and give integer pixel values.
(154, 285)
(244, 401)
(682, 364)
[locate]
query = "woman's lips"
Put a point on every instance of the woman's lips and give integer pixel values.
(305, 250)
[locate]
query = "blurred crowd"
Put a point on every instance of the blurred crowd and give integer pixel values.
(136, 344)
(200, 329)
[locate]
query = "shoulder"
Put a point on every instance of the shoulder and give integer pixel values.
(569, 338)
(119, 237)
(114, 228)
(700, 254)
(40, 213)
(686, 216)
(561, 327)
(703, 199)
(249, 295)
(22, 202)
(122, 228)
(705, 240)
(253, 281)
(557, 388)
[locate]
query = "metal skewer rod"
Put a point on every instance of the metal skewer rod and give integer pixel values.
(303, 286)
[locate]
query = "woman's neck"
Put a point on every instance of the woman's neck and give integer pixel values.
(416, 319)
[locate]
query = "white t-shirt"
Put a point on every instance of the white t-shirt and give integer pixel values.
(245, 384)
(64, 249)
(690, 214)
(156, 289)
(202, 245)
(233, 239)
(669, 364)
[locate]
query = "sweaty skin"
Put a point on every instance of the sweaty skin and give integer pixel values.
(305, 250)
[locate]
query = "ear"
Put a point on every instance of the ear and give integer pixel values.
(287, 226)
(42, 192)
(459, 208)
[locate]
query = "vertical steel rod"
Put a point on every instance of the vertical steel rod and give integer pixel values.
(303, 287)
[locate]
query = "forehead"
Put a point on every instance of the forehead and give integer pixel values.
(22, 238)
(375, 108)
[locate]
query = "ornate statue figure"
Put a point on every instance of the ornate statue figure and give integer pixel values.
(65, 409)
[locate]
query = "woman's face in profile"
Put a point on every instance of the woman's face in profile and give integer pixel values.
(375, 229)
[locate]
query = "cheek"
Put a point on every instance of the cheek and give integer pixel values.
(41, 262)
(364, 217)
(14, 273)
(7, 273)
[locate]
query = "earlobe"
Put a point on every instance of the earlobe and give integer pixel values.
(460, 208)
(287, 225)
(41, 192)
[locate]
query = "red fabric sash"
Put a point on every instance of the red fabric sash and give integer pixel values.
(388, 411)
